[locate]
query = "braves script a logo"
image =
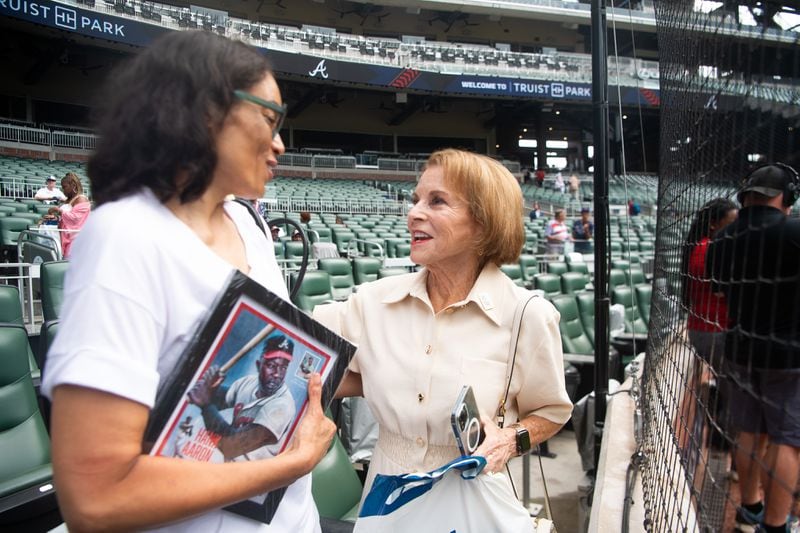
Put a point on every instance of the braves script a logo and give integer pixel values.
(320, 69)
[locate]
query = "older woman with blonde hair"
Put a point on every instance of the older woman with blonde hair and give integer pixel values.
(422, 336)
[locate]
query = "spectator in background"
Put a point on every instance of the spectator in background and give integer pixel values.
(575, 186)
(297, 236)
(557, 233)
(707, 321)
(755, 262)
(559, 183)
(540, 177)
(275, 231)
(582, 232)
(50, 193)
(73, 213)
(633, 208)
(536, 212)
(305, 217)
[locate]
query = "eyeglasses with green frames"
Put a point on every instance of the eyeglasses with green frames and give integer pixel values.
(275, 122)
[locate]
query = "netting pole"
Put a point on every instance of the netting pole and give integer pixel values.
(601, 149)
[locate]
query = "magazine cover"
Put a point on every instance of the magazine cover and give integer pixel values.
(241, 386)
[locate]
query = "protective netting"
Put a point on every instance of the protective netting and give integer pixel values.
(724, 294)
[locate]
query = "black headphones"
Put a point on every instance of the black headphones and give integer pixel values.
(791, 188)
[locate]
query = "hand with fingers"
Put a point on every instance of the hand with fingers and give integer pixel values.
(497, 447)
(315, 432)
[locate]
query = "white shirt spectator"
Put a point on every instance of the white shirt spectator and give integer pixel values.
(50, 192)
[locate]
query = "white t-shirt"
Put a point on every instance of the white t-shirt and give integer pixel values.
(139, 282)
(50, 194)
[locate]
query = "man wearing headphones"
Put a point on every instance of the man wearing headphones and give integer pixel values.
(755, 262)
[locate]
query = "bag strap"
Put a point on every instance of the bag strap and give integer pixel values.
(519, 312)
(253, 213)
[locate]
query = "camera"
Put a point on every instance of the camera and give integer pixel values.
(466, 422)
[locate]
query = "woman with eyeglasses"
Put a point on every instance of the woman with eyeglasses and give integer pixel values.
(192, 119)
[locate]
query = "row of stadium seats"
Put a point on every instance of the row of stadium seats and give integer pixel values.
(337, 277)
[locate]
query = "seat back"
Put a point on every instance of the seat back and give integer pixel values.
(24, 443)
(52, 282)
(633, 320)
(341, 273)
(365, 269)
(616, 278)
(634, 276)
(335, 485)
(320, 234)
(342, 237)
(585, 302)
(572, 282)
(10, 228)
(549, 283)
(293, 252)
(644, 293)
(10, 305)
(573, 336)
(315, 289)
(513, 271)
(529, 266)
(402, 249)
(385, 272)
(556, 267)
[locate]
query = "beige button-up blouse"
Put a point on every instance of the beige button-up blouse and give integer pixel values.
(413, 363)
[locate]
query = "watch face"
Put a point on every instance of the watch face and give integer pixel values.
(523, 440)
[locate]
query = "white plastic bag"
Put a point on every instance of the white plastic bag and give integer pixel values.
(451, 498)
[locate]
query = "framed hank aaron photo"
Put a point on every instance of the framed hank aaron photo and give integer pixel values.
(240, 387)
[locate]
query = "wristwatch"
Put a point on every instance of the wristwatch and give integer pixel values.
(523, 439)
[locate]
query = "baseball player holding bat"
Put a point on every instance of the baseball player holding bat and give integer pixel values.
(259, 406)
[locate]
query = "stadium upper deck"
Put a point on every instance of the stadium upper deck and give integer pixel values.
(499, 72)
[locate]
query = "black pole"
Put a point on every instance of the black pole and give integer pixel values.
(601, 150)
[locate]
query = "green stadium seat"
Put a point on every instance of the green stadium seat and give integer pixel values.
(320, 234)
(633, 320)
(616, 278)
(52, 283)
(403, 249)
(573, 282)
(365, 269)
(586, 308)
(335, 485)
(573, 337)
(10, 228)
(341, 238)
(621, 264)
(11, 314)
(513, 271)
(556, 267)
(293, 252)
(644, 293)
(26, 470)
(529, 266)
(341, 273)
(549, 283)
(634, 276)
(385, 272)
(315, 289)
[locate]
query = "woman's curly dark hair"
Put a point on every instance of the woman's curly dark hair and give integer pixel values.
(158, 115)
